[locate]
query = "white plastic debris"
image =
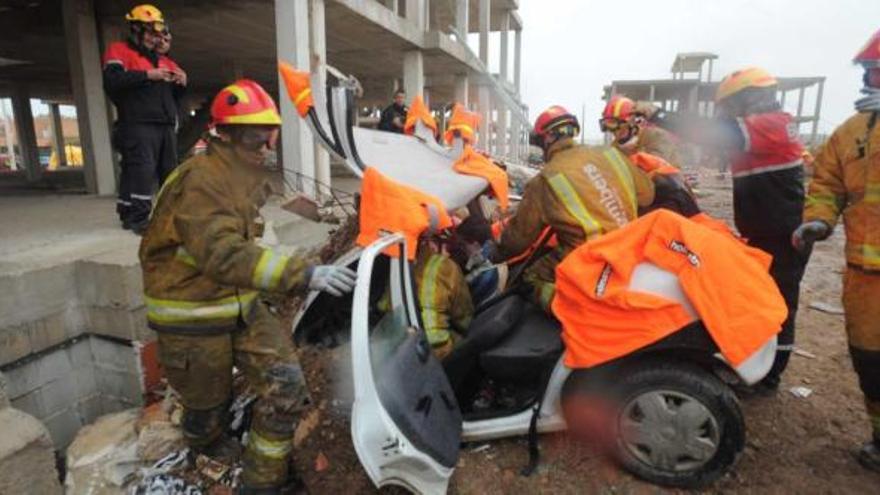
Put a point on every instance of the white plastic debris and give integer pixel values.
(802, 392)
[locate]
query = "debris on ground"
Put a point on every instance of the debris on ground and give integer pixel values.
(826, 308)
(803, 353)
(801, 392)
(341, 240)
(304, 206)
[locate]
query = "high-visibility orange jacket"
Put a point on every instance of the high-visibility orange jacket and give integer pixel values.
(847, 181)
(472, 163)
(582, 192)
(419, 112)
(726, 281)
(388, 206)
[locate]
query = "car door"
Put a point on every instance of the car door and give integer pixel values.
(406, 424)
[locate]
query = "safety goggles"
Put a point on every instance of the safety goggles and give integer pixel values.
(253, 138)
(610, 124)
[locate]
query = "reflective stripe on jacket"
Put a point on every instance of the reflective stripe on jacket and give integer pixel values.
(201, 267)
(847, 182)
(444, 297)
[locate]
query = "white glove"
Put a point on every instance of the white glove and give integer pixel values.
(332, 279)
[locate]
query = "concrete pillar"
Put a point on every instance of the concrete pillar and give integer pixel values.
(417, 13)
(319, 53)
(516, 139)
(505, 60)
(292, 45)
(57, 134)
(484, 17)
(816, 112)
(413, 74)
(517, 61)
(462, 84)
(25, 133)
(462, 23)
(7, 135)
(485, 109)
(83, 54)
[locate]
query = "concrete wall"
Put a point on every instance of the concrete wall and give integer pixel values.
(73, 321)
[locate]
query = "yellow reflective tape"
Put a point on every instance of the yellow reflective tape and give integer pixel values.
(268, 116)
(547, 291)
(184, 257)
(829, 199)
(566, 193)
(269, 268)
(172, 177)
(302, 96)
(871, 254)
(172, 311)
(872, 192)
(428, 300)
(617, 107)
(623, 175)
(273, 449)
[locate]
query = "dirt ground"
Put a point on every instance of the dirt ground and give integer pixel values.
(794, 445)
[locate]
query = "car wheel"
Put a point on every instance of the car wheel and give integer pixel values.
(672, 424)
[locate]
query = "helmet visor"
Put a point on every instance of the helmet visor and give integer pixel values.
(609, 124)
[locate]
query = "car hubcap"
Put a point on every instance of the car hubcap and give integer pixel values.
(669, 430)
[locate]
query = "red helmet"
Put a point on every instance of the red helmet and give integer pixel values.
(869, 56)
(619, 107)
(556, 120)
(244, 102)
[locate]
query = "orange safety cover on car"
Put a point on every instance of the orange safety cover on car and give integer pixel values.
(726, 281)
(652, 164)
(463, 123)
(388, 206)
(472, 163)
(418, 111)
(298, 86)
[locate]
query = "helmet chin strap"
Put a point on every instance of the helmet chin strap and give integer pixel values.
(631, 139)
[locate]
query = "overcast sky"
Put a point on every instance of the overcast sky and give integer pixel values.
(571, 48)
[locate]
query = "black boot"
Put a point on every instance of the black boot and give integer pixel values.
(869, 456)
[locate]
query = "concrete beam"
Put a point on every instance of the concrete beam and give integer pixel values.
(57, 134)
(83, 54)
(319, 55)
(417, 13)
(25, 133)
(485, 18)
(292, 45)
(413, 74)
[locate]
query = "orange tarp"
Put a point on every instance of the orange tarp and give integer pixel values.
(462, 122)
(652, 164)
(388, 206)
(418, 111)
(472, 163)
(726, 281)
(298, 87)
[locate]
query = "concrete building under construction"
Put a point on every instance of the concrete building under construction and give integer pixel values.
(73, 340)
(692, 89)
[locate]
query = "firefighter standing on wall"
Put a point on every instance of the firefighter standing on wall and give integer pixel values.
(145, 87)
(847, 182)
(581, 193)
(766, 158)
(202, 273)
(642, 142)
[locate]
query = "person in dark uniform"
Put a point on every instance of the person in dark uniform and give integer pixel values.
(394, 115)
(146, 88)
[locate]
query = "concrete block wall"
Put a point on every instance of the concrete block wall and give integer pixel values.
(72, 324)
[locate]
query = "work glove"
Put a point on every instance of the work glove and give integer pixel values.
(332, 279)
(808, 233)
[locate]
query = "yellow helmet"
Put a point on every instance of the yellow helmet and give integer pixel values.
(751, 77)
(146, 13)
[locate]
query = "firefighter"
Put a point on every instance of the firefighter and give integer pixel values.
(847, 182)
(632, 132)
(766, 157)
(581, 193)
(202, 273)
(653, 150)
(146, 88)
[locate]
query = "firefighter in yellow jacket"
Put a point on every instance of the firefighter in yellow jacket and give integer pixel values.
(847, 182)
(202, 277)
(632, 133)
(580, 193)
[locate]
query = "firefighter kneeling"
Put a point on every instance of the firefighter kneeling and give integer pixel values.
(202, 276)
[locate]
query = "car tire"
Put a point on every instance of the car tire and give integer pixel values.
(673, 424)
